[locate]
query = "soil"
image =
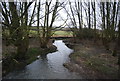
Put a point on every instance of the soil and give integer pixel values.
(8, 53)
(92, 60)
(11, 49)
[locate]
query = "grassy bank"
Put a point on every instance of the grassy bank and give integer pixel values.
(93, 61)
(56, 33)
(63, 33)
(31, 55)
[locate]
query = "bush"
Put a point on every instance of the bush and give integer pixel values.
(86, 33)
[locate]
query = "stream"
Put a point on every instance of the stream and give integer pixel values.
(50, 67)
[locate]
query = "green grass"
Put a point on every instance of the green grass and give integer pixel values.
(32, 54)
(94, 62)
(81, 54)
(56, 33)
(33, 33)
(101, 66)
(63, 33)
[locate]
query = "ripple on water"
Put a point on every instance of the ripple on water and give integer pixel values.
(49, 68)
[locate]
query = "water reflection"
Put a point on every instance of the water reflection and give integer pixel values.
(49, 68)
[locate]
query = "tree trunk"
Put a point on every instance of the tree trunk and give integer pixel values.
(26, 31)
(47, 29)
(113, 22)
(94, 10)
(89, 26)
(19, 36)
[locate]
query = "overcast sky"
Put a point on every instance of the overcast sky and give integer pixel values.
(63, 15)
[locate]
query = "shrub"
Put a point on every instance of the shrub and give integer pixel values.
(86, 33)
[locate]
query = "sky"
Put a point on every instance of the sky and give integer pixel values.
(63, 14)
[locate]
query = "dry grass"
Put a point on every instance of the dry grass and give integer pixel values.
(95, 60)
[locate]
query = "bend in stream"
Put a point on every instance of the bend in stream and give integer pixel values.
(49, 68)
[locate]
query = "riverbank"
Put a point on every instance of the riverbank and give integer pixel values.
(91, 60)
(49, 68)
(31, 55)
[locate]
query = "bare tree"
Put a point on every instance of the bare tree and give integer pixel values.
(89, 24)
(17, 25)
(94, 10)
(47, 28)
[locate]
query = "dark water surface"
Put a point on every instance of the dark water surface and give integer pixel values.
(49, 68)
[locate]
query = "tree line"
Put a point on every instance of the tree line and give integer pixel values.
(96, 20)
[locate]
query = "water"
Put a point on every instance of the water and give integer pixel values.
(49, 68)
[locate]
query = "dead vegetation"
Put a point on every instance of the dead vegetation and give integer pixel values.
(93, 61)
